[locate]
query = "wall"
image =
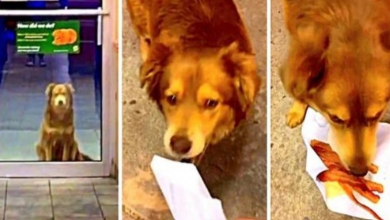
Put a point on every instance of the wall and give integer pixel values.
(116, 70)
(115, 15)
(111, 48)
(116, 45)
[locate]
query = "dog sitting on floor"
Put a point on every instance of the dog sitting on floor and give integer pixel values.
(57, 140)
(198, 66)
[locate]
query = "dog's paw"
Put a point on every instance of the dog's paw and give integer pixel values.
(296, 114)
(295, 118)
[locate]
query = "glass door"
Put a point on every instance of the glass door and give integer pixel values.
(52, 123)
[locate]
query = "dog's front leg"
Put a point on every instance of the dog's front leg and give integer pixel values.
(65, 152)
(72, 150)
(40, 152)
(296, 114)
(48, 152)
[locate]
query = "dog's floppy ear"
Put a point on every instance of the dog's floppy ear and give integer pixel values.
(153, 68)
(242, 68)
(70, 87)
(304, 71)
(49, 89)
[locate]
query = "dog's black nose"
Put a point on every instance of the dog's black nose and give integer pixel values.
(180, 144)
(360, 172)
(60, 102)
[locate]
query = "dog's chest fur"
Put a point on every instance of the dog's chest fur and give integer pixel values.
(59, 138)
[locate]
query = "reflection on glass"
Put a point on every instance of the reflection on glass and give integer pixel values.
(46, 111)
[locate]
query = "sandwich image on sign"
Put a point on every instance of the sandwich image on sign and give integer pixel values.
(64, 37)
(366, 197)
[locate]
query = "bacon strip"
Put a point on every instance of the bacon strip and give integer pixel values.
(337, 173)
(349, 191)
(373, 169)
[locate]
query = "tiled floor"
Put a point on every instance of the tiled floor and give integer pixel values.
(59, 199)
(23, 100)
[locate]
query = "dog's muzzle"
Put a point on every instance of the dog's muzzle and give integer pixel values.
(60, 100)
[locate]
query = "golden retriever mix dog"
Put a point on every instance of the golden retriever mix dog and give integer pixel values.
(57, 141)
(339, 64)
(198, 66)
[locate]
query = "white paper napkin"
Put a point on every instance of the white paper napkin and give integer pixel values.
(185, 191)
(315, 127)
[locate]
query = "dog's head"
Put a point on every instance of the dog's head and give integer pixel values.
(59, 97)
(203, 95)
(344, 74)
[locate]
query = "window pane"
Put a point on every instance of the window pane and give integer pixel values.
(35, 52)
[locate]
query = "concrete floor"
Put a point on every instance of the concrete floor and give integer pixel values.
(294, 195)
(23, 101)
(59, 199)
(234, 171)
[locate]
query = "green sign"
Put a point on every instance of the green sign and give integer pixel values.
(48, 37)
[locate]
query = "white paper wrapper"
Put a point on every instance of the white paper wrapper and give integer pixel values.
(316, 127)
(185, 191)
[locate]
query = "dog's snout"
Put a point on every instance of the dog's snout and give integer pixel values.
(359, 166)
(359, 171)
(180, 144)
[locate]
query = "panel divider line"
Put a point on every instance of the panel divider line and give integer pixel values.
(97, 198)
(5, 199)
(51, 200)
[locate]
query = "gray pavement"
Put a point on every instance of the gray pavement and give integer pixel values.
(234, 171)
(23, 100)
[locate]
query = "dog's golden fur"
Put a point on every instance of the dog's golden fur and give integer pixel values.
(57, 141)
(339, 64)
(199, 67)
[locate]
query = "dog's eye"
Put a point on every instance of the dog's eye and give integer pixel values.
(336, 119)
(373, 120)
(376, 117)
(171, 99)
(211, 103)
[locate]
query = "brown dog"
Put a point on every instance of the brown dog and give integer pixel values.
(57, 141)
(198, 66)
(338, 64)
